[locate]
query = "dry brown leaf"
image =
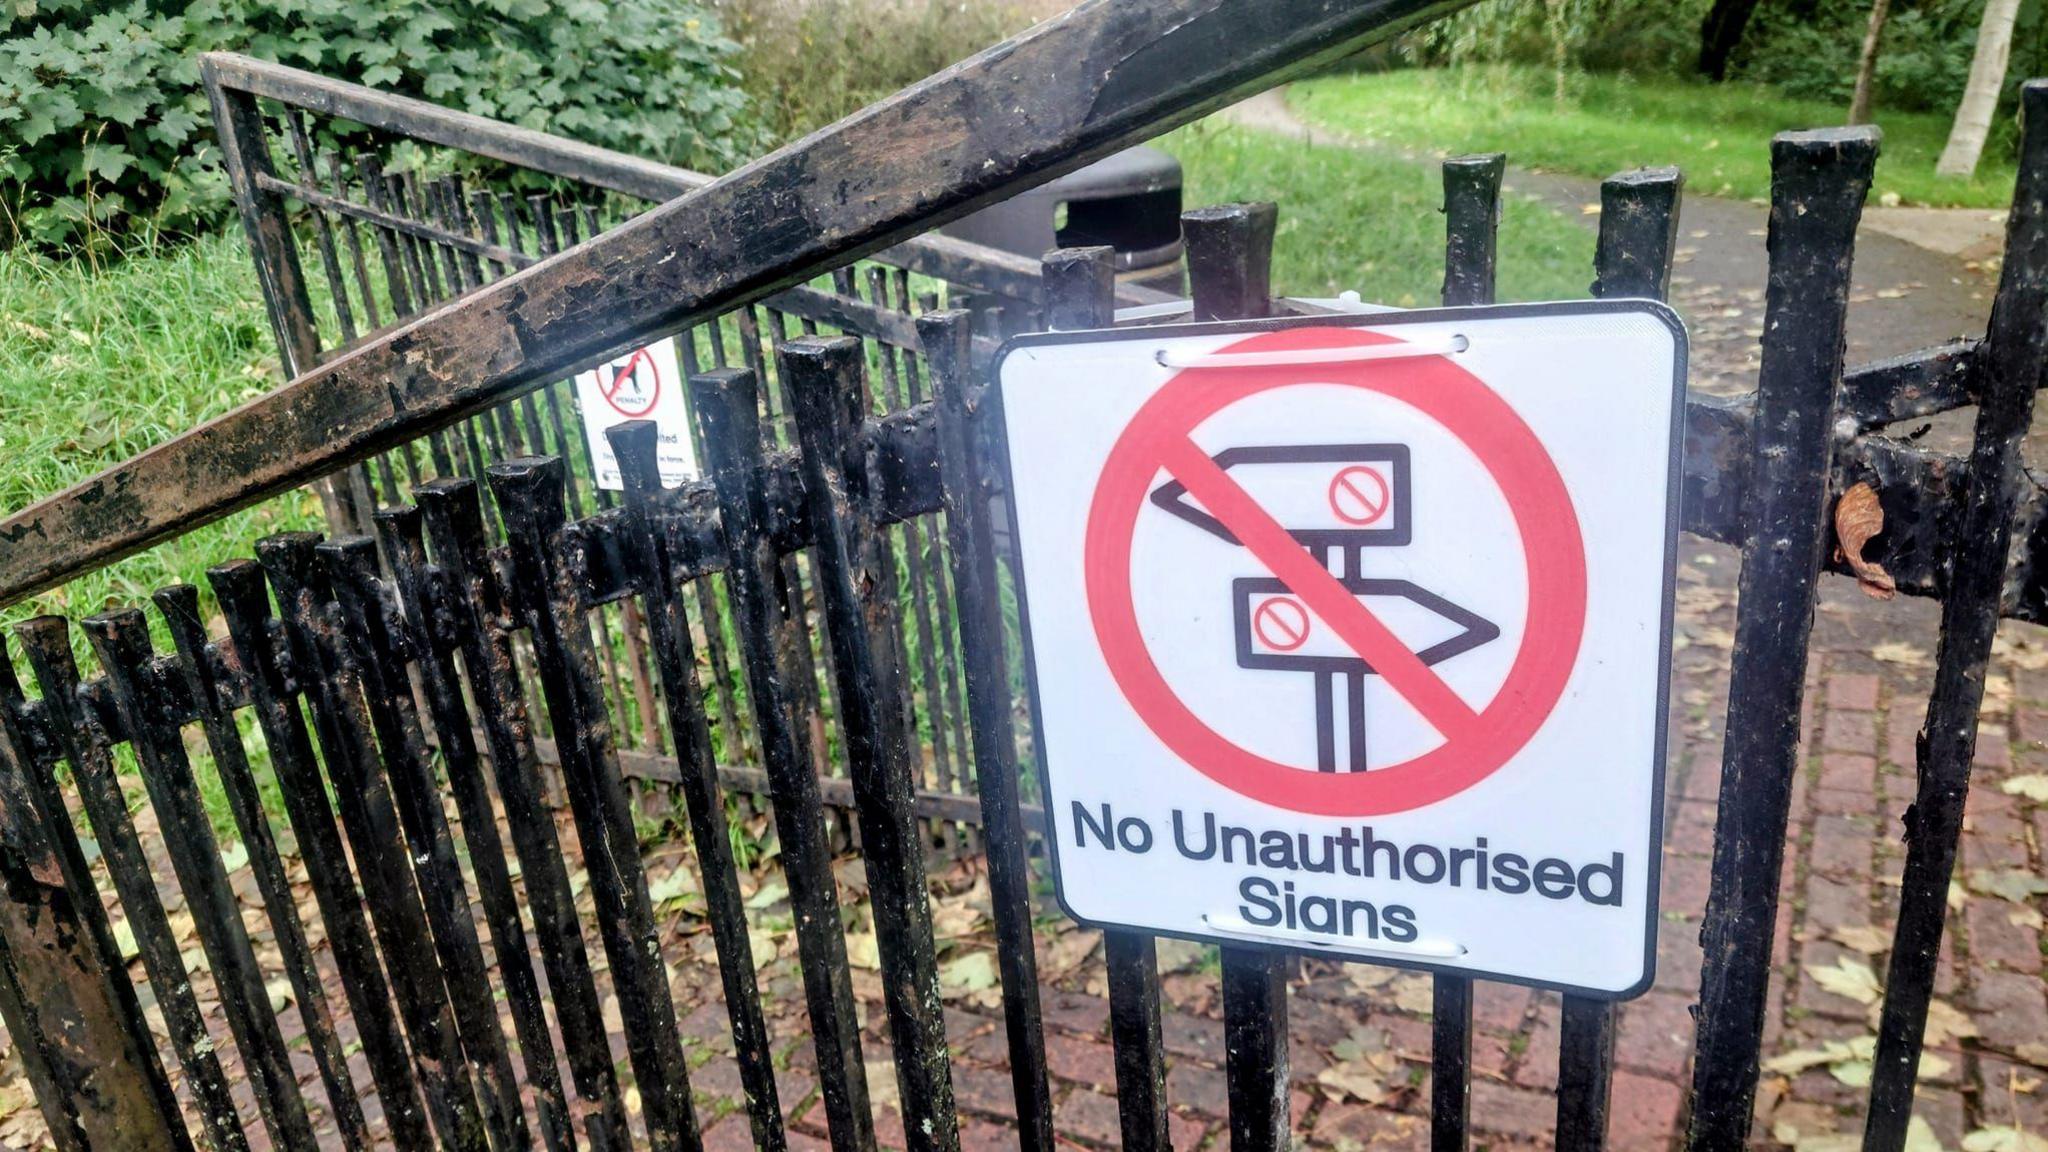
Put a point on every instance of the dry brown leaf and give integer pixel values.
(1858, 517)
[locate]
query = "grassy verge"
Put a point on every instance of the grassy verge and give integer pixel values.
(1371, 222)
(100, 361)
(1717, 133)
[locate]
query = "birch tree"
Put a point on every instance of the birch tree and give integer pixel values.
(1980, 93)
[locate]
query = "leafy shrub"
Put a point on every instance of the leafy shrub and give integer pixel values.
(108, 126)
(808, 63)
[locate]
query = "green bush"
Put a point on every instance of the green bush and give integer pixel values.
(106, 126)
(808, 63)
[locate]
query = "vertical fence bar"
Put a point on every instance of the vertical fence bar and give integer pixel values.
(47, 642)
(370, 171)
(454, 517)
(546, 592)
(334, 695)
(824, 380)
(427, 626)
(179, 605)
(729, 412)
(378, 661)
(68, 1005)
(245, 154)
(2008, 371)
(1080, 293)
(1471, 241)
(1230, 260)
(947, 339)
(239, 586)
(636, 445)
(1818, 183)
(1638, 230)
(330, 263)
(121, 639)
(337, 179)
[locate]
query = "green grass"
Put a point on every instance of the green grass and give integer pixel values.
(99, 361)
(1355, 219)
(1719, 134)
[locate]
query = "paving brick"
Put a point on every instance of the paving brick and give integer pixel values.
(1089, 1062)
(1196, 1036)
(1852, 691)
(1994, 746)
(1076, 1013)
(1499, 1006)
(1996, 941)
(1850, 732)
(731, 1134)
(1356, 1126)
(1198, 1089)
(1655, 1035)
(1678, 954)
(986, 1136)
(1684, 885)
(1513, 1111)
(1842, 846)
(1691, 828)
(2010, 1009)
(1836, 903)
(1642, 1112)
(986, 1091)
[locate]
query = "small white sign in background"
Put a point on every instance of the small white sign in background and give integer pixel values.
(1353, 635)
(643, 384)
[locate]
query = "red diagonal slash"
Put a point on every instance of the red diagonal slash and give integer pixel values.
(1353, 623)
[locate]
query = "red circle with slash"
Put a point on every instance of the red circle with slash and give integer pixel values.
(632, 408)
(1282, 624)
(1359, 495)
(1477, 742)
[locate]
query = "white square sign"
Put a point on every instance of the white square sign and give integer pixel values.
(643, 384)
(1352, 635)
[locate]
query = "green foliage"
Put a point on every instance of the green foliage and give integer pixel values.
(110, 131)
(99, 361)
(808, 63)
(1718, 133)
(1355, 219)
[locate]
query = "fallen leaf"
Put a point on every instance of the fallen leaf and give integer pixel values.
(1946, 1022)
(2033, 787)
(1849, 978)
(1920, 1137)
(2011, 884)
(1899, 652)
(1862, 938)
(2024, 917)
(2003, 1139)
(768, 896)
(280, 991)
(1179, 955)
(862, 951)
(1859, 517)
(1793, 1063)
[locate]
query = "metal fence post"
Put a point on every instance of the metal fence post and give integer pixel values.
(73, 1019)
(1080, 292)
(1638, 227)
(1818, 183)
(1230, 264)
(2009, 370)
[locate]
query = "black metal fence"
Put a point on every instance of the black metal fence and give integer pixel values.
(387, 671)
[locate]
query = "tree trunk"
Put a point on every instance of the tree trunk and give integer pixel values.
(1980, 94)
(1866, 64)
(1719, 34)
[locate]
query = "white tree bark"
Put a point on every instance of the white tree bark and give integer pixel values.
(1980, 94)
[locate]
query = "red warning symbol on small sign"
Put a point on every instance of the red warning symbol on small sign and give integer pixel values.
(1476, 737)
(1282, 624)
(1359, 495)
(634, 387)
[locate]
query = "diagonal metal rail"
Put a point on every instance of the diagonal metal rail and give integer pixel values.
(1066, 92)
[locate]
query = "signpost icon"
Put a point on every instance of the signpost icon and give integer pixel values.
(1366, 509)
